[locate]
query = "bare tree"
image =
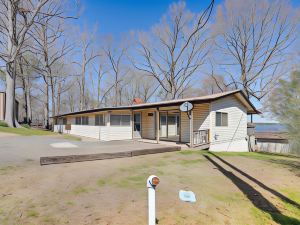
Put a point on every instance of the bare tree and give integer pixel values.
(26, 75)
(16, 18)
(139, 85)
(97, 74)
(176, 49)
(117, 70)
(87, 54)
(254, 38)
(51, 47)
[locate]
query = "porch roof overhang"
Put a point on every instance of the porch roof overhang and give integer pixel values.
(155, 105)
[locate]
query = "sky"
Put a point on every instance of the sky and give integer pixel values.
(120, 16)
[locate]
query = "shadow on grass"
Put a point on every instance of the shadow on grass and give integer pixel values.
(257, 199)
(262, 185)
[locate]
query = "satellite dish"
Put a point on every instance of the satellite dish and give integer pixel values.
(186, 106)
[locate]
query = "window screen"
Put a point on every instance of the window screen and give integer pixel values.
(224, 119)
(99, 120)
(78, 120)
(163, 120)
(120, 120)
(171, 120)
(85, 120)
(221, 119)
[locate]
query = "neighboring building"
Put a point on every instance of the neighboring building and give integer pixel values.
(274, 142)
(2, 106)
(218, 122)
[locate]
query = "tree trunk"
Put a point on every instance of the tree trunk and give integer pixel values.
(46, 108)
(28, 104)
(53, 99)
(25, 99)
(9, 101)
(98, 92)
(58, 98)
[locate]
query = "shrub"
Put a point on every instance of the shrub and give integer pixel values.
(25, 125)
(3, 124)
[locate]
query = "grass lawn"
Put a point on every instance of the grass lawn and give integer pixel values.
(24, 131)
(29, 132)
(231, 188)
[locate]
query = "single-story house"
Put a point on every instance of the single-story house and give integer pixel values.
(218, 121)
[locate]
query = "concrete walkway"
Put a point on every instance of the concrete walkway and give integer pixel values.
(18, 149)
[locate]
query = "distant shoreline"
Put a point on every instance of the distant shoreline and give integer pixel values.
(270, 127)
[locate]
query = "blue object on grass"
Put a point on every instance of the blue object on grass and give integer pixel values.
(187, 196)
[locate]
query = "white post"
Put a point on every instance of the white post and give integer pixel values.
(191, 129)
(152, 182)
(157, 124)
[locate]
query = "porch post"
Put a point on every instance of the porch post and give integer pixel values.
(132, 124)
(157, 125)
(191, 130)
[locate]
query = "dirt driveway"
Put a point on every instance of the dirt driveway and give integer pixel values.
(230, 189)
(15, 149)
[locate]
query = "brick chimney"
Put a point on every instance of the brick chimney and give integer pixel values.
(137, 101)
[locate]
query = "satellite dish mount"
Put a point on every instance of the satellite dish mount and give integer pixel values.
(187, 107)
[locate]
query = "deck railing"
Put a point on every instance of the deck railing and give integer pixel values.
(200, 137)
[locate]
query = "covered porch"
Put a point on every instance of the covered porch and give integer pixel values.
(169, 124)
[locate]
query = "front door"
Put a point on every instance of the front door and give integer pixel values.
(137, 126)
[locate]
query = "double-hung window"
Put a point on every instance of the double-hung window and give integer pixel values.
(99, 120)
(120, 120)
(221, 119)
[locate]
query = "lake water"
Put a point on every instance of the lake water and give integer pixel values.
(269, 127)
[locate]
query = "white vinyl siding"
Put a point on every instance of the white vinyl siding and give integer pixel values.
(200, 121)
(85, 131)
(231, 137)
(102, 133)
(148, 124)
(185, 127)
(201, 116)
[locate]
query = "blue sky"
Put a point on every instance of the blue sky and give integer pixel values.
(120, 16)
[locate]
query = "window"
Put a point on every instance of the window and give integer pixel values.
(78, 120)
(99, 120)
(82, 120)
(85, 120)
(65, 121)
(120, 120)
(221, 119)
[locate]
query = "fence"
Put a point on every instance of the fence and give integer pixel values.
(274, 147)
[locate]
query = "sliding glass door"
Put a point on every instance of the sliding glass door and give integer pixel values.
(170, 125)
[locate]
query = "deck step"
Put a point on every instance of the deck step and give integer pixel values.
(202, 146)
(101, 156)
